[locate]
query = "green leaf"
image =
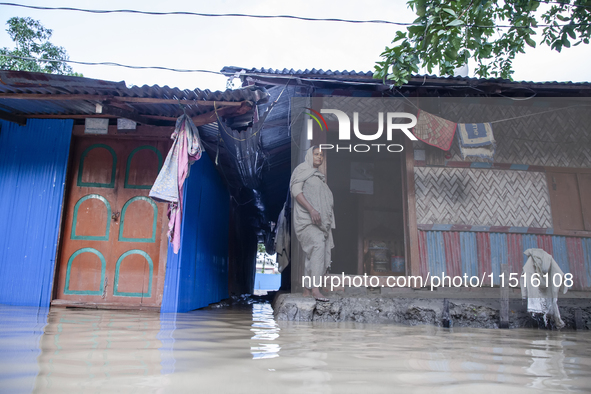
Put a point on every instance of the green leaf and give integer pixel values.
(415, 30)
(455, 22)
(442, 40)
(451, 12)
(31, 39)
(565, 41)
(451, 54)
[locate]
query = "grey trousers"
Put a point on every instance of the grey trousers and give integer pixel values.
(315, 244)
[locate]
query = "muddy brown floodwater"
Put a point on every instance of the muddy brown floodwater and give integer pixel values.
(245, 350)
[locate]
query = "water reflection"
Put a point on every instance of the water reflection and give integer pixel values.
(87, 350)
(21, 329)
(166, 338)
(242, 350)
(547, 363)
(265, 331)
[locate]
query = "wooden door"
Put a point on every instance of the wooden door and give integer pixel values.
(113, 234)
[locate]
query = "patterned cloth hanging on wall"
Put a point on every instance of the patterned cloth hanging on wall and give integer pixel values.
(434, 130)
(476, 140)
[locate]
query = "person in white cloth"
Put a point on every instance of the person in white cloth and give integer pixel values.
(542, 298)
(313, 218)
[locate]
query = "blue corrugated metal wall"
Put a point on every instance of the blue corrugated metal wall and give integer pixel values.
(561, 253)
(498, 252)
(33, 163)
(198, 275)
(436, 252)
(469, 253)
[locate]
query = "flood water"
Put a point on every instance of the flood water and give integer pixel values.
(246, 351)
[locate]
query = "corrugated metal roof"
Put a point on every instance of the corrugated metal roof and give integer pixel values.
(368, 76)
(229, 70)
(87, 92)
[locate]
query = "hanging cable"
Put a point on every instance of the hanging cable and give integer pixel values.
(294, 17)
(179, 70)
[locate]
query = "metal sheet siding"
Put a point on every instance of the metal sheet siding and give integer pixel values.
(436, 253)
(576, 261)
(484, 256)
(483, 252)
(198, 275)
(545, 242)
(424, 259)
(33, 163)
(453, 255)
(469, 253)
(528, 241)
(587, 254)
(514, 252)
(498, 251)
(560, 253)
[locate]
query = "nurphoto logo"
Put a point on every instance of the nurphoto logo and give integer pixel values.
(344, 124)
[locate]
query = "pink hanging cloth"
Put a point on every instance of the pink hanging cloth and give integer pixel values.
(168, 187)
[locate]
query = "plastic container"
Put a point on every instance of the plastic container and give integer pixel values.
(397, 264)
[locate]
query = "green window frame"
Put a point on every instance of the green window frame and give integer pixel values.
(69, 267)
(122, 225)
(105, 237)
(136, 150)
(116, 291)
(110, 185)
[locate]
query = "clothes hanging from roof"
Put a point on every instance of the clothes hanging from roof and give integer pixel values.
(168, 186)
(542, 299)
(476, 140)
(434, 130)
(283, 236)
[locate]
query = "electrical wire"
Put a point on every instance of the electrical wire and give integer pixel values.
(564, 4)
(539, 113)
(159, 13)
(294, 17)
(180, 70)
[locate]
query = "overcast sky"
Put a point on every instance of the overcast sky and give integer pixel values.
(193, 42)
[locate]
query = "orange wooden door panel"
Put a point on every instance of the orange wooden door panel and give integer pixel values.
(112, 243)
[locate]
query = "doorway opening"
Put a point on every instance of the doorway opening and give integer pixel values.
(368, 190)
(267, 276)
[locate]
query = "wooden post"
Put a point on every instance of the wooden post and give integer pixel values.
(411, 233)
(579, 319)
(504, 321)
(445, 320)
